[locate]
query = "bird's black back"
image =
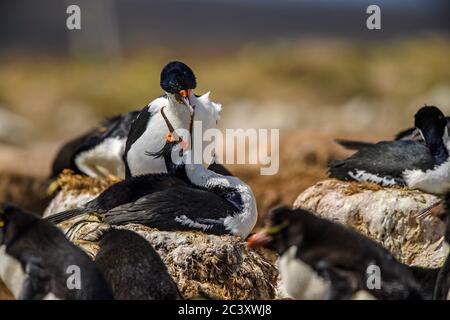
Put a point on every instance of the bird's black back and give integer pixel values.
(131, 189)
(386, 158)
(161, 209)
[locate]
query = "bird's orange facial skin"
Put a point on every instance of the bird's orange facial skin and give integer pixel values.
(184, 93)
(169, 137)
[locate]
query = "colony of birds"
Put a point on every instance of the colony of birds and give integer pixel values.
(153, 185)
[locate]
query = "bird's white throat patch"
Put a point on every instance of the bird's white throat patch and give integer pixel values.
(11, 272)
(299, 280)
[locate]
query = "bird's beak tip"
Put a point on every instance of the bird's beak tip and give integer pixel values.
(258, 239)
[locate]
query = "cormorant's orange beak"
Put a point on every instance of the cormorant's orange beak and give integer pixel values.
(185, 98)
(185, 93)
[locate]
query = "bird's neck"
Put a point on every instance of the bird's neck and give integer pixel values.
(438, 149)
(233, 190)
(205, 178)
(178, 114)
(439, 152)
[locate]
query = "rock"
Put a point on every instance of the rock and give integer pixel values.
(202, 265)
(12, 122)
(387, 215)
(219, 267)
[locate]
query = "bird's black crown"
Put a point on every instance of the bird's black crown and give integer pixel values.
(176, 76)
(430, 115)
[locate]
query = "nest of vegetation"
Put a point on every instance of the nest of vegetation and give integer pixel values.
(68, 181)
(387, 215)
(202, 265)
(75, 190)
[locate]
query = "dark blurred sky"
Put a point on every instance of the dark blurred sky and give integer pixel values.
(124, 24)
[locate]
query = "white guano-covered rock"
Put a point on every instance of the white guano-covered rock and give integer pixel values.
(202, 265)
(387, 215)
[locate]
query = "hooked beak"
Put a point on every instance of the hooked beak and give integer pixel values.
(185, 98)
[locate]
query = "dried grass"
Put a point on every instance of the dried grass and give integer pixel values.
(76, 184)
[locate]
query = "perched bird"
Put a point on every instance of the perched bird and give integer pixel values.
(133, 268)
(99, 152)
(119, 144)
(161, 121)
(407, 134)
(38, 262)
(404, 163)
(189, 197)
(320, 259)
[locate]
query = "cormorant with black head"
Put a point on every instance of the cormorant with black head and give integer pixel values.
(101, 152)
(405, 163)
(407, 134)
(171, 116)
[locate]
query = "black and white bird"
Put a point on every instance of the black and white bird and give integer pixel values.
(99, 152)
(405, 163)
(189, 197)
(159, 122)
(407, 134)
(320, 259)
(38, 262)
(119, 144)
(133, 268)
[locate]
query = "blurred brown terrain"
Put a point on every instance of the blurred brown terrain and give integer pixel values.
(313, 91)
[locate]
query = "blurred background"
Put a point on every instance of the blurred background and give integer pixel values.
(309, 68)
